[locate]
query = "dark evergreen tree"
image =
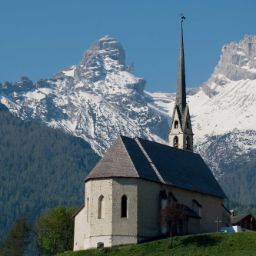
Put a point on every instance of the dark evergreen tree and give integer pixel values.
(16, 241)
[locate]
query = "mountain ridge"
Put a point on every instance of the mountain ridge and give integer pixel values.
(86, 99)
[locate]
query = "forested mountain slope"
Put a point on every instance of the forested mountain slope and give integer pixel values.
(40, 168)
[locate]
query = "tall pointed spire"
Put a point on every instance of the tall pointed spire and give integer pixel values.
(181, 134)
(181, 81)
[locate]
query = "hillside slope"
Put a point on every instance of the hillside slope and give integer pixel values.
(239, 244)
(40, 168)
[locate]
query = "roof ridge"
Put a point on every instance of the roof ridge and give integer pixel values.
(149, 160)
(166, 145)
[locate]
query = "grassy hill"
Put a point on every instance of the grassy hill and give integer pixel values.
(239, 244)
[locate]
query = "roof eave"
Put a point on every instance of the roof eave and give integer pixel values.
(158, 182)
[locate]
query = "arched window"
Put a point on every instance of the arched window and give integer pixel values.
(101, 207)
(187, 143)
(176, 142)
(124, 209)
(176, 124)
(188, 124)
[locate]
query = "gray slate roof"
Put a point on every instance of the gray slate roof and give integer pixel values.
(138, 158)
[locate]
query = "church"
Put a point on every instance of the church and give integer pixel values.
(136, 179)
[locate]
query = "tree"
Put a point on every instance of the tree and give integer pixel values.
(17, 240)
(171, 215)
(54, 230)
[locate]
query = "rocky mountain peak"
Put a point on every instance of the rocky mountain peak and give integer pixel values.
(96, 99)
(105, 55)
(237, 61)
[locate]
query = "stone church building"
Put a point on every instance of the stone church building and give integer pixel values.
(136, 178)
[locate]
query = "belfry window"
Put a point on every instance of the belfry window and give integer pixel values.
(188, 125)
(176, 124)
(187, 143)
(101, 207)
(176, 142)
(124, 209)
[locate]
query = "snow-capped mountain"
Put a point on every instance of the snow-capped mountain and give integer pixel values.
(96, 99)
(101, 97)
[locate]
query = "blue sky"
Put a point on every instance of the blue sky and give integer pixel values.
(40, 37)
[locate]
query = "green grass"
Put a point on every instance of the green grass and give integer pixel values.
(215, 244)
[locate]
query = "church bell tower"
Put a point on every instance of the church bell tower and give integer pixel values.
(181, 135)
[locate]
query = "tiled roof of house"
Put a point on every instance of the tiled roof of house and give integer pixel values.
(138, 158)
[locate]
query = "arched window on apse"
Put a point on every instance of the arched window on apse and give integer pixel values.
(101, 207)
(124, 209)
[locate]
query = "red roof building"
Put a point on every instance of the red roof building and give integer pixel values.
(246, 221)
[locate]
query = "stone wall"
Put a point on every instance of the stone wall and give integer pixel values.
(98, 230)
(211, 207)
(143, 219)
(110, 229)
(79, 230)
(124, 230)
(148, 210)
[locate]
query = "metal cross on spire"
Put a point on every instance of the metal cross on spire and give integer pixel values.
(182, 18)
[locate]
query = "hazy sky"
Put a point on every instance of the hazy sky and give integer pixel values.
(40, 37)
